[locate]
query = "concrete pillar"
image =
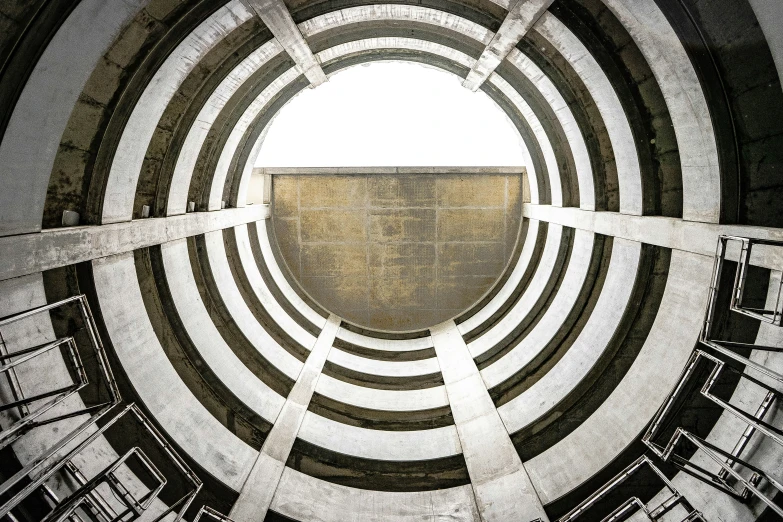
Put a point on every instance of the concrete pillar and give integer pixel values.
(500, 483)
(259, 488)
(520, 18)
(276, 17)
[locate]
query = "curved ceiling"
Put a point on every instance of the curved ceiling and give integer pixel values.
(651, 128)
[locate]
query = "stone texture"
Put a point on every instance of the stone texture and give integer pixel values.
(396, 251)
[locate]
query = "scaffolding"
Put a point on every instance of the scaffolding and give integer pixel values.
(123, 489)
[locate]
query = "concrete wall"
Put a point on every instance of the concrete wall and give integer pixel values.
(397, 252)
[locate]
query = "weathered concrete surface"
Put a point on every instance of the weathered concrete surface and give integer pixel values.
(384, 368)
(552, 320)
(608, 104)
(396, 252)
(389, 345)
(521, 16)
(129, 156)
(366, 443)
(308, 499)
(500, 483)
(181, 416)
(259, 488)
(30, 253)
(690, 115)
(206, 338)
(276, 17)
(768, 14)
(236, 305)
(511, 284)
(42, 111)
(386, 400)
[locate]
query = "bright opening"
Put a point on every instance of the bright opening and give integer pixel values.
(391, 114)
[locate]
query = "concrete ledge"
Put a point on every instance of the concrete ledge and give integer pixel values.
(383, 368)
(31, 253)
(402, 446)
(552, 320)
(307, 499)
(543, 396)
(622, 417)
(247, 323)
(677, 234)
(383, 400)
(181, 416)
(522, 307)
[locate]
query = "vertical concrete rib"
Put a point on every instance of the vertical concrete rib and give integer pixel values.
(276, 17)
(259, 488)
(500, 483)
(522, 15)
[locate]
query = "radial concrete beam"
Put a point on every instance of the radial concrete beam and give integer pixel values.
(276, 17)
(500, 482)
(31, 253)
(520, 18)
(260, 486)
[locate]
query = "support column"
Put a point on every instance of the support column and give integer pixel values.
(500, 483)
(521, 16)
(276, 17)
(260, 486)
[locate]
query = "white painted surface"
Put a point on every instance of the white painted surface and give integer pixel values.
(383, 368)
(555, 315)
(385, 400)
(247, 323)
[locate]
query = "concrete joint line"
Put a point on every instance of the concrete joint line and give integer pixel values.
(276, 17)
(261, 484)
(521, 16)
(501, 486)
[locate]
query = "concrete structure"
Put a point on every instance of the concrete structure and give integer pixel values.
(422, 343)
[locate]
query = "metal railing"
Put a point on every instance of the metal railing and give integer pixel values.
(633, 505)
(45, 401)
(123, 504)
(207, 513)
(735, 476)
(106, 496)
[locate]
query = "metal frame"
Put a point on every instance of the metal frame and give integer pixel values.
(634, 504)
(728, 348)
(11, 360)
(773, 316)
(727, 460)
(210, 514)
(87, 493)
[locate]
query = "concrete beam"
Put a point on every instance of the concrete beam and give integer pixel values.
(689, 236)
(500, 482)
(276, 17)
(259, 488)
(31, 253)
(520, 18)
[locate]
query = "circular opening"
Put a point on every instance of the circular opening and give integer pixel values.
(383, 242)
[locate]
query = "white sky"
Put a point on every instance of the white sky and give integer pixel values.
(391, 114)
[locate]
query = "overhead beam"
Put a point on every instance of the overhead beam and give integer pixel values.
(688, 236)
(276, 17)
(522, 15)
(31, 253)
